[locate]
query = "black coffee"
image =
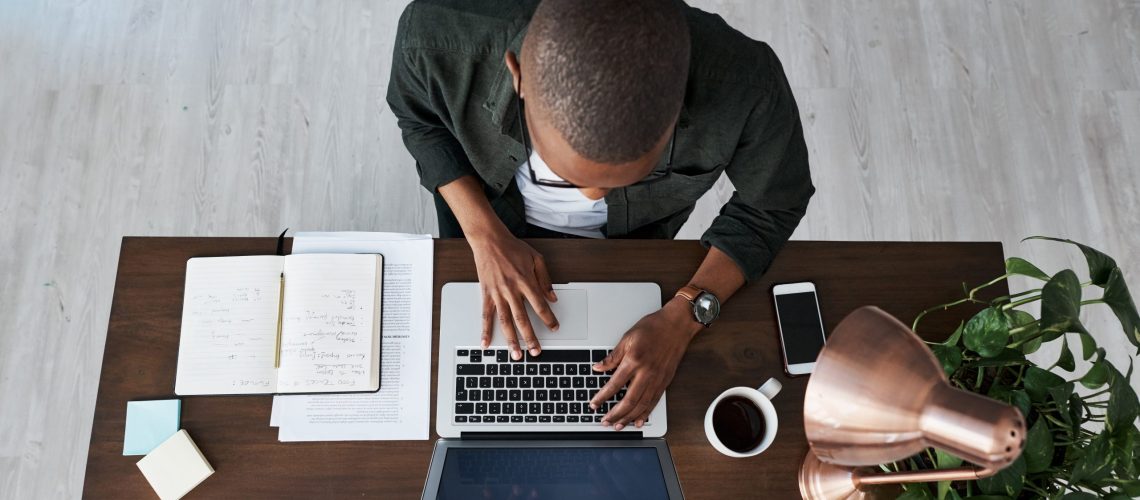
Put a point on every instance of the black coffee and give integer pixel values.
(738, 423)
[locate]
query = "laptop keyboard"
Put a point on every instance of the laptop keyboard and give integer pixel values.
(554, 387)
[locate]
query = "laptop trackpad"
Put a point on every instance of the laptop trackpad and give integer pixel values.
(572, 311)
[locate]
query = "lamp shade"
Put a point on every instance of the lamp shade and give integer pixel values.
(878, 395)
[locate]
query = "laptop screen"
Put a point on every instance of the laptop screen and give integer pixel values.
(552, 473)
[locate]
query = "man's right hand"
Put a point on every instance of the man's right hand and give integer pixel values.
(512, 274)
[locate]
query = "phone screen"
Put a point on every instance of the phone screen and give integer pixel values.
(800, 326)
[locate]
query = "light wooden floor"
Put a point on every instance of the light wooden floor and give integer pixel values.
(927, 120)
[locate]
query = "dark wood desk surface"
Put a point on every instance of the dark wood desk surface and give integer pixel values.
(741, 349)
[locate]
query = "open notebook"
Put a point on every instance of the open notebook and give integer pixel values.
(265, 324)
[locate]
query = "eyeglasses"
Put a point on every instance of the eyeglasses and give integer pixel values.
(654, 176)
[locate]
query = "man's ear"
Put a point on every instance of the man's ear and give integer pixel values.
(513, 67)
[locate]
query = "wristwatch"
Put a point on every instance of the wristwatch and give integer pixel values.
(706, 307)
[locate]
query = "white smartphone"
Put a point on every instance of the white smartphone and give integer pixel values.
(801, 326)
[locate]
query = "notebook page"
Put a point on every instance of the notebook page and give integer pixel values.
(229, 326)
(329, 329)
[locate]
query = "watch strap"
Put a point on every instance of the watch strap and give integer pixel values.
(689, 292)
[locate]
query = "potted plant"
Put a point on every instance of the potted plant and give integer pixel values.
(1083, 441)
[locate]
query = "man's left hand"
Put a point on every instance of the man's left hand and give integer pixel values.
(646, 359)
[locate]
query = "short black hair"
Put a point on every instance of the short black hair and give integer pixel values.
(610, 74)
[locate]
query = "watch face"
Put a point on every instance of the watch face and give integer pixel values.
(706, 307)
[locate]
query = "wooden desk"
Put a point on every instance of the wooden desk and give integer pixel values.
(741, 349)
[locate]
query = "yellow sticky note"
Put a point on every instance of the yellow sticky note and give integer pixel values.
(175, 467)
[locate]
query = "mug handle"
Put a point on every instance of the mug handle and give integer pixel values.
(771, 388)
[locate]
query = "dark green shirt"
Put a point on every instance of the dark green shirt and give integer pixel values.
(452, 96)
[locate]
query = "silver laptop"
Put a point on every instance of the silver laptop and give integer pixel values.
(483, 390)
(524, 429)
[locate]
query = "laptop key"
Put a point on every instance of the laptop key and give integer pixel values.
(592, 382)
(563, 408)
(531, 369)
(571, 369)
(519, 369)
(459, 419)
(530, 419)
(461, 395)
(579, 382)
(469, 369)
(597, 355)
(464, 408)
(572, 419)
(476, 356)
(581, 395)
(528, 394)
(568, 394)
(547, 407)
(516, 419)
(471, 382)
(488, 395)
(488, 352)
(556, 395)
(544, 419)
(584, 369)
(512, 383)
(481, 408)
(501, 356)
(501, 395)
(498, 382)
(551, 382)
(485, 382)
(461, 352)
(515, 395)
(543, 369)
(524, 382)
(575, 407)
(502, 419)
(564, 382)
(494, 408)
(475, 419)
(540, 395)
(535, 408)
(558, 419)
(558, 369)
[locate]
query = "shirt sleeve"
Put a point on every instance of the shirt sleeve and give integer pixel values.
(439, 157)
(773, 183)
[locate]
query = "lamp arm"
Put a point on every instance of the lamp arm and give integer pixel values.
(867, 477)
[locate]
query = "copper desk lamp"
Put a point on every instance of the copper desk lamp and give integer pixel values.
(878, 395)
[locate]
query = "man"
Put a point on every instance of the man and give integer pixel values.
(599, 118)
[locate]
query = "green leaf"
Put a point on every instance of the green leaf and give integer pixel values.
(1015, 397)
(987, 332)
(1088, 346)
(1061, 305)
(1007, 481)
(1017, 265)
(1007, 357)
(1017, 319)
(1118, 299)
(1123, 407)
(1079, 495)
(949, 356)
(1038, 451)
(1100, 265)
(1066, 361)
(1123, 443)
(1095, 463)
(956, 336)
(916, 491)
(1060, 394)
(1098, 373)
(944, 460)
(1037, 382)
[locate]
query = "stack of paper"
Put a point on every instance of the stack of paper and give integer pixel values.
(149, 423)
(402, 408)
(175, 467)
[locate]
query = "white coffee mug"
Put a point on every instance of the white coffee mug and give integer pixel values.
(762, 398)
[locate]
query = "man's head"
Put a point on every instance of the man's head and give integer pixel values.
(603, 82)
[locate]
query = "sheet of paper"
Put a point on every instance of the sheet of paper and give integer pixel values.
(401, 410)
(175, 467)
(229, 326)
(328, 318)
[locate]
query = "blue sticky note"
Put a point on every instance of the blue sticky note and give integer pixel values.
(149, 423)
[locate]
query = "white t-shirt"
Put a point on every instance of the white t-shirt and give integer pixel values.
(565, 210)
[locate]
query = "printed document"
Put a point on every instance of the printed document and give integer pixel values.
(401, 410)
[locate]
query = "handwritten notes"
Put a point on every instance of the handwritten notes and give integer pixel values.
(329, 326)
(229, 326)
(329, 315)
